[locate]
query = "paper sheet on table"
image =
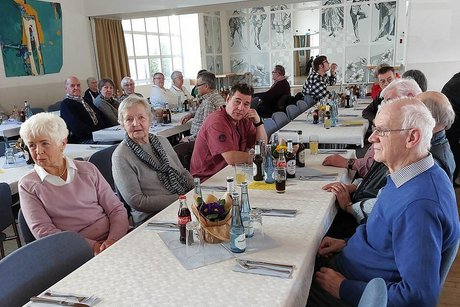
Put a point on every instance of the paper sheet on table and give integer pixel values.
(307, 171)
(261, 185)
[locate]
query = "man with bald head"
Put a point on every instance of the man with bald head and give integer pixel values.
(414, 220)
(81, 117)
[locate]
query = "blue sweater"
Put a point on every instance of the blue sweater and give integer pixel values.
(402, 241)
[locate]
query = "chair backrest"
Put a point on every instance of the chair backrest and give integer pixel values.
(375, 294)
(280, 119)
(6, 212)
(292, 111)
(55, 107)
(35, 267)
(184, 151)
(2, 148)
(37, 110)
(255, 103)
(447, 258)
(270, 126)
(24, 229)
(302, 105)
(103, 161)
(309, 100)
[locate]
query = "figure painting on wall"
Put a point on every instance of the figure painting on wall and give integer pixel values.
(257, 21)
(30, 37)
(280, 24)
(236, 24)
(387, 13)
(332, 17)
(356, 14)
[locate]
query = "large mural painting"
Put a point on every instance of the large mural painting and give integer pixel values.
(31, 37)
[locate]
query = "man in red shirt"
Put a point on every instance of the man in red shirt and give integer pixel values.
(227, 134)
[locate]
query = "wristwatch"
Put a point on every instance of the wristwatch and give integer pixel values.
(350, 163)
(259, 123)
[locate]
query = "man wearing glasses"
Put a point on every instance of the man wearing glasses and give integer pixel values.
(270, 98)
(210, 99)
(316, 84)
(414, 220)
(385, 75)
(159, 95)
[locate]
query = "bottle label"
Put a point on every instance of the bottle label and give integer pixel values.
(290, 167)
(281, 164)
(183, 220)
(240, 241)
(302, 156)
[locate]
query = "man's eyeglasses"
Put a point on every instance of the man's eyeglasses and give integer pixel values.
(198, 85)
(382, 132)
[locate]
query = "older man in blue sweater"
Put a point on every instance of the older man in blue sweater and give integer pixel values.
(414, 220)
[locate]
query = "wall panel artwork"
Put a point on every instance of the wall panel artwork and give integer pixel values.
(31, 37)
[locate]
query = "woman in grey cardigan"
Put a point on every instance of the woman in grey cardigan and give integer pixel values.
(105, 101)
(145, 167)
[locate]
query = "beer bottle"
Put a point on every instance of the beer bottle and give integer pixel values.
(166, 115)
(290, 160)
(300, 154)
(183, 217)
(258, 161)
(269, 168)
(237, 235)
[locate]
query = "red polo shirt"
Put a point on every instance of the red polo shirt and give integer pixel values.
(218, 135)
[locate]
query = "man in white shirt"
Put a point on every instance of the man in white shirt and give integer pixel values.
(160, 96)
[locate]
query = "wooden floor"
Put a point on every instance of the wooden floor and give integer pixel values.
(450, 295)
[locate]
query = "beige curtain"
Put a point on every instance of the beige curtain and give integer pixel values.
(111, 50)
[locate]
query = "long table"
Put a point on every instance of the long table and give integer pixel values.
(139, 270)
(351, 128)
(12, 175)
(9, 128)
(116, 133)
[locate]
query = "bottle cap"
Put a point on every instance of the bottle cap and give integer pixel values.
(182, 197)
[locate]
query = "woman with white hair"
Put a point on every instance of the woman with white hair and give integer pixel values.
(145, 167)
(128, 86)
(61, 194)
(177, 86)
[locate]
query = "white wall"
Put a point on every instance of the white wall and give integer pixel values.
(78, 60)
(433, 40)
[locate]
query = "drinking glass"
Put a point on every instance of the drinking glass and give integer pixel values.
(9, 155)
(193, 243)
(256, 222)
(243, 172)
(314, 141)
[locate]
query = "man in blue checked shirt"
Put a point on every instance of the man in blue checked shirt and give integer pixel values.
(317, 82)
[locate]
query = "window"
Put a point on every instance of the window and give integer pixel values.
(153, 44)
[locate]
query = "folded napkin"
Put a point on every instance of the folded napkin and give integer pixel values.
(18, 162)
(261, 185)
(53, 298)
(317, 178)
(278, 212)
(311, 172)
(332, 151)
(214, 187)
(116, 128)
(263, 268)
(162, 226)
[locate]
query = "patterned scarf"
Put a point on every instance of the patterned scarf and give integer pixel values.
(171, 179)
(88, 109)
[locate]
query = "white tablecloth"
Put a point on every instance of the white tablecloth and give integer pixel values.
(12, 175)
(139, 270)
(116, 134)
(9, 128)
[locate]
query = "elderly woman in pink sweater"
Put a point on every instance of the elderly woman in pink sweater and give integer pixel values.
(61, 194)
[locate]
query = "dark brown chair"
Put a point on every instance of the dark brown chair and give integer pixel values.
(184, 152)
(6, 217)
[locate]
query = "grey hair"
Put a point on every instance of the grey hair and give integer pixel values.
(175, 74)
(440, 107)
(401, 88)
(126, 80)
(418, 76)
(415, 115)
(130, 101)
(209, 78)
(90, 79)
(44, 125)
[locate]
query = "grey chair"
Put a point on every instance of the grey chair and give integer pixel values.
(103, 161)
(281, 119)
(7, 218)
(55, 107)
(292, 111)
(24, 230)
(302, 105)
(270, 126)
(184, 151)
(2, 148)
(309, 100)
(35, 267)
(447, 258)
(37, 110)
(375, 294)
